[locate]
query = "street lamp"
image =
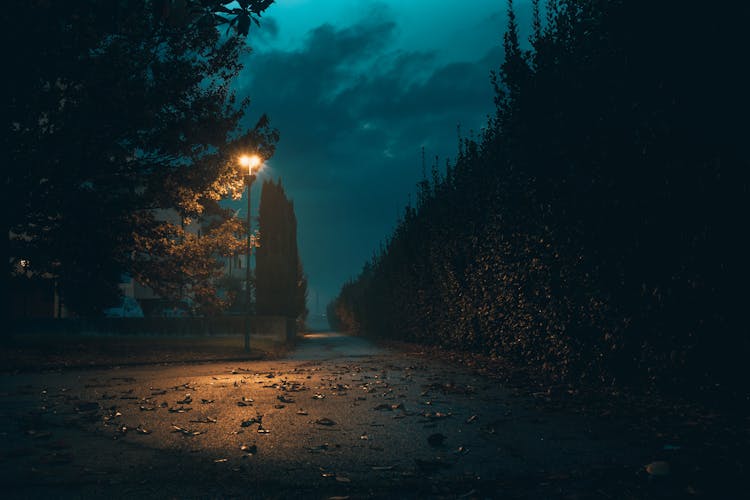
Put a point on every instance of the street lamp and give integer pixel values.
(253, 164)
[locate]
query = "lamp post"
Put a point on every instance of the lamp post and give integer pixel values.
(252, 163)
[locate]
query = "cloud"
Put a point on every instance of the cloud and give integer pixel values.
(354, 110)
(269, 30)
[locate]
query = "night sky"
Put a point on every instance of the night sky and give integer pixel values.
(356, 89)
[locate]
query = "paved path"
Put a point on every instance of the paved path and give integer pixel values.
(332, 346)
(339, 417)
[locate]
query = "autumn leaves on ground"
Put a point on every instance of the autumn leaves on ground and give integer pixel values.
(341, 417)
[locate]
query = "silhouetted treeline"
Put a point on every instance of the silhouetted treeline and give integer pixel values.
(281, 285)
(595, 229)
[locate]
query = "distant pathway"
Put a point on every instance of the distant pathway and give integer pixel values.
(331, 345)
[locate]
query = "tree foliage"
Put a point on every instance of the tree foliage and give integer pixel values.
(593, 230)
(281, 285)
(182, 264)
(118, 109)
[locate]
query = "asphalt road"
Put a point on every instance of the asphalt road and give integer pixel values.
(339, 417)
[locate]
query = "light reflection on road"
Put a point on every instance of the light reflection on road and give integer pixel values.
(332, 345)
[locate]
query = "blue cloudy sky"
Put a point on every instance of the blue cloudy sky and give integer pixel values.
(356, 89)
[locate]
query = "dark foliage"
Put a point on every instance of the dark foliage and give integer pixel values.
(117, 109)
(595, 229)
(281, 285)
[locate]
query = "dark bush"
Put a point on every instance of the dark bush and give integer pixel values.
(594, 230)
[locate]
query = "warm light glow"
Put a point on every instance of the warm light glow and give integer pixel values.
(252, 162)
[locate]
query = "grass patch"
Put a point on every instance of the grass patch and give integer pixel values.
(47, 351)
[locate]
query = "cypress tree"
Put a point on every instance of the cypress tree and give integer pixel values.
(281, 287)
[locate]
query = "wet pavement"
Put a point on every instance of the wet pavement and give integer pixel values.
(331, 346)
(339, 417)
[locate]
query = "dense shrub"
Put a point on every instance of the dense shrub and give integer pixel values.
(594, 230)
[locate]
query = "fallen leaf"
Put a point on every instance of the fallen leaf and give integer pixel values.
(185, 432)
(179, 409)
(251, 449)
(204, 420)
(251, 421)
(435, 416)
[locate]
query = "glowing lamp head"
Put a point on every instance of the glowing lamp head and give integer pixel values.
(252, 162)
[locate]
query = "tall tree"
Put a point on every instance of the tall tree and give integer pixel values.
(300, 294)
(116, 109)
(281, 287)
